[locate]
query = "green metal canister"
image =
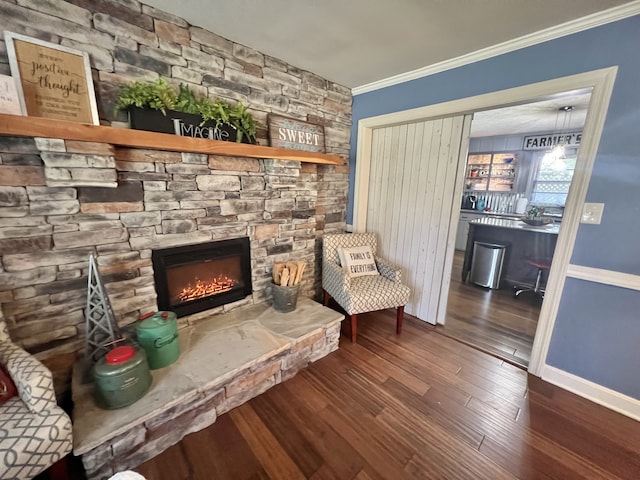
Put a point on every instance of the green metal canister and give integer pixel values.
(121, 377)
(158, 335)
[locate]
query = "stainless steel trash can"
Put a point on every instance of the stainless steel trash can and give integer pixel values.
(486, 264)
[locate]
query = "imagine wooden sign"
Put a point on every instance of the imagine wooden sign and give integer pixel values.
(54, 81)
(295, 135)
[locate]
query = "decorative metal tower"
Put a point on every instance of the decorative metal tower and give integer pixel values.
(100, 322)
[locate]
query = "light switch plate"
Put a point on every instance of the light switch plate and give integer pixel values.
(592, 213)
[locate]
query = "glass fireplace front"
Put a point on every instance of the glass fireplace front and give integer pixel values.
(193, 278)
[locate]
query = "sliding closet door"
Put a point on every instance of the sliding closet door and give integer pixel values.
(414, 189)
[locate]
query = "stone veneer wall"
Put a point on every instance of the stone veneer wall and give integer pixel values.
(59, 201)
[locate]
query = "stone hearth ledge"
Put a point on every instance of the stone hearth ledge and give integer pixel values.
(225, 361)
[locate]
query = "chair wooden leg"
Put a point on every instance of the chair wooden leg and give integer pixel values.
(59, 470)
(326, 299)
(399, 318)
(354, 327)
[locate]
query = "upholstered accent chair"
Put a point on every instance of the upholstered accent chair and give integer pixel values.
(35, 433)
(363, 293)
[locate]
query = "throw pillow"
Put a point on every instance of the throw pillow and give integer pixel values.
(358, 261)
(7, 387)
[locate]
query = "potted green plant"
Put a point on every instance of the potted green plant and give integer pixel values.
(158, 107)
(244, 122)
(533, 216)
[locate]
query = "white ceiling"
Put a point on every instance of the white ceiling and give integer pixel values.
(538, 117)
(357, 42)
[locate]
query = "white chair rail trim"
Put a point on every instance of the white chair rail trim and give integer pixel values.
(606, 277)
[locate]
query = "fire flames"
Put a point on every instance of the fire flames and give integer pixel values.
(207, 288)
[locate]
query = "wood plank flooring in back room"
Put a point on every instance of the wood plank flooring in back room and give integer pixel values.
(415, 406)
(491, 320)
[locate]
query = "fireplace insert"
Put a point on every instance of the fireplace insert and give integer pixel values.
(193, 278)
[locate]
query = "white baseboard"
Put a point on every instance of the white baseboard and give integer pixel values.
(606, 397)
(349, 228)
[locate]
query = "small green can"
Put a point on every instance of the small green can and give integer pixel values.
(121, 377)
(158, 334)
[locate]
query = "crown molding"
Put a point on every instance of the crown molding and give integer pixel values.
(551, 33)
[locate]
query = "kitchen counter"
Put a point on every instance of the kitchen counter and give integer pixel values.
(551, 228)
(524, 242)
(490, 213)
(556, 217)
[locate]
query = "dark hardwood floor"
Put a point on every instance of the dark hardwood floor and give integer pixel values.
(419, 405)
(491, 320)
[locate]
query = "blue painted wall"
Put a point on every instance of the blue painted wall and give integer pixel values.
(613, 245)
(596, 336)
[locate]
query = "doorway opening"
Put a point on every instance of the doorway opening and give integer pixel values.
(601, 84)
(520, 163)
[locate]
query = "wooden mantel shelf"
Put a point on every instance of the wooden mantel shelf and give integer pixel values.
(13, 125)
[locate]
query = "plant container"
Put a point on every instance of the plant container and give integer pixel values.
(180, 123)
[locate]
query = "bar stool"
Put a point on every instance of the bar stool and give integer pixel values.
(542, 266)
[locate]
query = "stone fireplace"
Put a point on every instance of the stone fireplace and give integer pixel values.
(161, 201)
(63, 198)
(164, 225)
(193, 278)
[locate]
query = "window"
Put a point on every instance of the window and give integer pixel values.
(553, 179)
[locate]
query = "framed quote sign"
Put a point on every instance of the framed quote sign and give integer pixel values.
(53, 81)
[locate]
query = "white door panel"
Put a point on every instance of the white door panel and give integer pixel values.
(413, 179)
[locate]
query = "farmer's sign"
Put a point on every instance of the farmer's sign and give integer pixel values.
(550, 140)
(295, 135)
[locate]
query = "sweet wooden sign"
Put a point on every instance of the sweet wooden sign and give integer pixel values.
(295, 135)
(53, 81)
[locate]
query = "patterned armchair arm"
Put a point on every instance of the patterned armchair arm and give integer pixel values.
(33, 380)
(388, 270)
(334, 278)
